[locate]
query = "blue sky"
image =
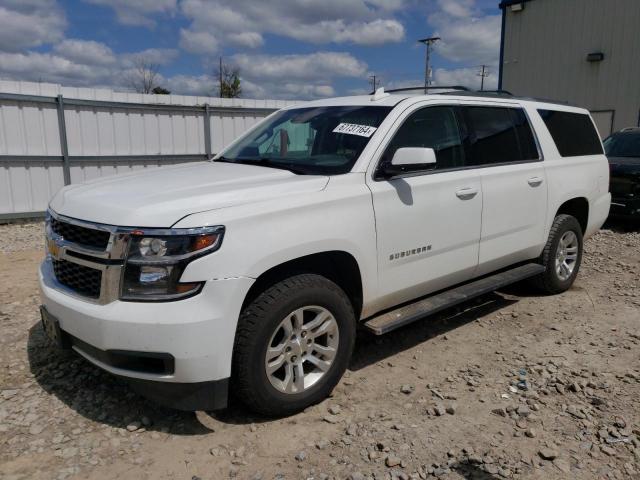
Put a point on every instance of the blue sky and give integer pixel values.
(283, 48)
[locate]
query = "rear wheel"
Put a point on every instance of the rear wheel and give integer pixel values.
(562, 255)
(293, 345)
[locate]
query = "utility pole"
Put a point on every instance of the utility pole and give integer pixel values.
(373, 80)
(484, 73)
(427, 70)
(220, 76)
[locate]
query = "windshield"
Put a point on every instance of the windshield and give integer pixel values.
(623, 145)
(311, 141)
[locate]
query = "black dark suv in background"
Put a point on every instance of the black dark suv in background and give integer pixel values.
(623, 150)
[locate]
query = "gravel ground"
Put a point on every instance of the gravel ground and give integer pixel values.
(18, 237)
(514, 385)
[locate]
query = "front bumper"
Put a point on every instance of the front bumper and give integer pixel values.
(197, 333)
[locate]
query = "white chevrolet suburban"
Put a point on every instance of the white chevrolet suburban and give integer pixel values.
(249, 274)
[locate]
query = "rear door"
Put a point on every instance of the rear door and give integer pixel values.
(501, 143)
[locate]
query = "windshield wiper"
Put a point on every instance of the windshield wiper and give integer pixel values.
(265, 162)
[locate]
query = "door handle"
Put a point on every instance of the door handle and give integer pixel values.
(535, 181)
(466, 193)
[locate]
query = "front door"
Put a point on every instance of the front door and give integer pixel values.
(427, 222)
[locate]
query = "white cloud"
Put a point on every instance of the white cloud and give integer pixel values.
(262, 76)
(138, 12)
(279, 76)
(467, 35)
(85, 51)
(157, 56)
(71, 63)
(204, 85)
(207, 85)
(295, 76)
(52, 68)
(457, 8)
(466, 77)
(287, 91)
(375, 32)
(311, 66)
(389, 5)
(200, 43)
(246, 39)
(30, 23)
(408, 83)
(329, 21)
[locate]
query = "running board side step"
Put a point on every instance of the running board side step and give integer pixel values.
(407, 314)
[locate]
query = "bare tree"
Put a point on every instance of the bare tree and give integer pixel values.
(143, 77)
(228, 80)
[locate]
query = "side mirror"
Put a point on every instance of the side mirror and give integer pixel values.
(409, 159)
(414, 156)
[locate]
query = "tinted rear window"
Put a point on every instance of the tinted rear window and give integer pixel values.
(499, 135)
(573, 133)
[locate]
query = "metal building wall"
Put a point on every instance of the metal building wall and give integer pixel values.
(106, 133)
(545, 50)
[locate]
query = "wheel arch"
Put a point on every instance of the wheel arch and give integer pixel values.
(339, 266)
(577, 207)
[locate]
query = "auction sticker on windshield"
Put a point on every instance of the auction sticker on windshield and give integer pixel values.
(355, 129)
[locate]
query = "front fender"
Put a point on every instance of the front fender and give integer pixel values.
(260, 237)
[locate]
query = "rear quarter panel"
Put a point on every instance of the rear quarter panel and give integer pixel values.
(572, 177)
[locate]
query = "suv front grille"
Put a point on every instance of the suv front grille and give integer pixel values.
(88, 237)
(83, 280)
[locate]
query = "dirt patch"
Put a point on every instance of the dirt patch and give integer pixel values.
(21, 236)
(514, 385)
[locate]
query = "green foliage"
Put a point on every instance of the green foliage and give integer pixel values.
(228, 81)
(230, 87)
(160, 91)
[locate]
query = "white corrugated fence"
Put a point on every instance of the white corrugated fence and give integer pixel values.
(51, 135)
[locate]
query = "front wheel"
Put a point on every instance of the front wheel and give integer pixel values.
(293, 344)
(561, 256)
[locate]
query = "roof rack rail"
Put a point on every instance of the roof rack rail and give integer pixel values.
(483, 93)
(430, 87)
(497, 92)
(467, 92)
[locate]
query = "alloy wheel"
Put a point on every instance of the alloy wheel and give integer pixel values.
(302, 349)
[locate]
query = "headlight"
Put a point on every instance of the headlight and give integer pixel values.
(157, 258)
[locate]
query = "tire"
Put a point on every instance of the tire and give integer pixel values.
(298, 300)
(553, 281)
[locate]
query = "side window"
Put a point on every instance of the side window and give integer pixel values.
(573, 133)
(431, 127)
(499, 135)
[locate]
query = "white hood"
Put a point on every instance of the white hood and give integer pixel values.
(160, 197)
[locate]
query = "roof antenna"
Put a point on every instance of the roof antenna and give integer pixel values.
(379, 94)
